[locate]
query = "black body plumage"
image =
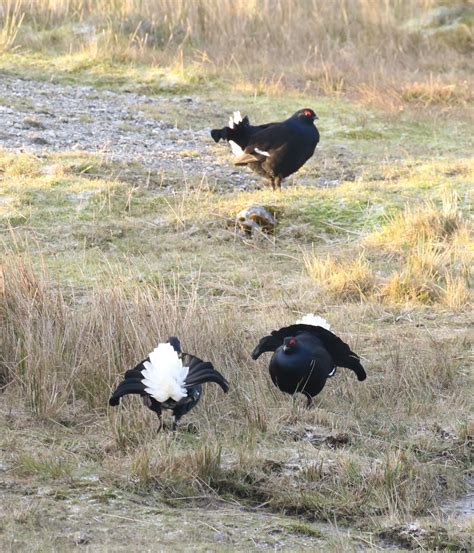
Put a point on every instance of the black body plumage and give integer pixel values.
(199, 373)
(305, 356)
(273, 150)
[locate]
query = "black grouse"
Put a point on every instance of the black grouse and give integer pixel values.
(306, 355)
(273, 150)
(169, 379)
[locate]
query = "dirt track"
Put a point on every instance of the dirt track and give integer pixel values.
(123, 127)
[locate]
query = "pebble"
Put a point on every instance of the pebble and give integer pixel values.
(33, 123)
(38, 140)
(81, 538)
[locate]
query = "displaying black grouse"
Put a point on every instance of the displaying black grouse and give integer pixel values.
(306, 355)
(169, 379)
(274, 150)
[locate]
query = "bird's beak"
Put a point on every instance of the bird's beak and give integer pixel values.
(316, 117)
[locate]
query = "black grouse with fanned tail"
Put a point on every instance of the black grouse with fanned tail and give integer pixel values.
(305, 355)
(273, 150)
(169, 379)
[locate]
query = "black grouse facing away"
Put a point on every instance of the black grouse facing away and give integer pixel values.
(305, 355)
(273, 150)
(169, 379)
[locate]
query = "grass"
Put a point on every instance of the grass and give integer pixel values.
(349, 279)
(128, 44)
(269, 451)
(431, 247)
(101, 259)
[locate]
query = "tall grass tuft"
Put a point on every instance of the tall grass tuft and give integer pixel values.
(432, 255)
(427, 222)
(328, 47)
(349, 279)
(11, 19)
(57, 348)
(430, 274)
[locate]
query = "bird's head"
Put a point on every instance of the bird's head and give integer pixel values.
(306, 115)
(290, 344)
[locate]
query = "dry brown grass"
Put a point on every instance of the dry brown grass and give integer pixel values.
(431, 273)
(427, 222)
(326, 47)
(64, 351)
(433, 245)
(347, 279)
(59, 349)
(423, 255)
(12, 19)
(378, 454)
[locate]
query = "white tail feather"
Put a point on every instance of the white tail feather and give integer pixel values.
(235, 119)
(236, 149)
(164, 375)
(314, 320)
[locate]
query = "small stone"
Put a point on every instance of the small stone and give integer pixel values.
(44, 111)
(338, 440)
(80, 538)
(39, 140)
(33, 123)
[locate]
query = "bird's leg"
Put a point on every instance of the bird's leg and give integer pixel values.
(310, 401)
(160, 418)
(276, 183)
(175, 423)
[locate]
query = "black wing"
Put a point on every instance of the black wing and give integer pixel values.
(131, 384)
(341, 353)
(270, 138)
(199, 373)
(267, 343)
(202, 371)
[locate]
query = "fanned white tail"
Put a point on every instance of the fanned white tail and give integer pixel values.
(164, 375)
(235, 119)
(314, 320)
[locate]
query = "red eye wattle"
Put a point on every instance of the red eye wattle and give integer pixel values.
(292, 342)
(308, 113)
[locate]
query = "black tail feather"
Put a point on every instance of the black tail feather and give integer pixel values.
(240, 133)
(134, 373)
(355, 365)
(209, 377)
(219, 134)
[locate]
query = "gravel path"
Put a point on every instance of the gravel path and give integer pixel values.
(39, 117)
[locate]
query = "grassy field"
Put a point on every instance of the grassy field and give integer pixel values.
(103, 258)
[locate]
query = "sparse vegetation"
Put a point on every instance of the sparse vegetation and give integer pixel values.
(104, 257)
